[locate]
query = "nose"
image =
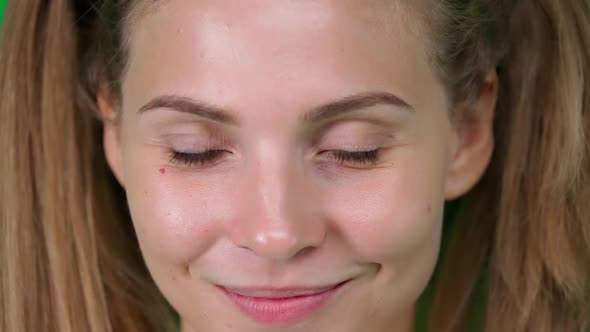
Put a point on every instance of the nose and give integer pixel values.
(278, 216)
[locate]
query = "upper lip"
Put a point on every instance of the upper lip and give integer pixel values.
(279, 293)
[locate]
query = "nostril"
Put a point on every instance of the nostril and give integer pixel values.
(304, 252)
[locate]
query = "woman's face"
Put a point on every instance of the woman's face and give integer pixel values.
(277, 149)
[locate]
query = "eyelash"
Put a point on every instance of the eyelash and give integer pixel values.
(195, 159)
(357, 157)
(202, 158)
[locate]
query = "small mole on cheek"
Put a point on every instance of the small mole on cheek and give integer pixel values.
(429, 207)
(162, 171)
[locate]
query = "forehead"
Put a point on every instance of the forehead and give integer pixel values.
(367, 10)
(230, 50)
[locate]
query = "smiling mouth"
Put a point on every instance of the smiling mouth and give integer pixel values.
(281, 306)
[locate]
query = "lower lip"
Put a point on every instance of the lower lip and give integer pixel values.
(281, 311)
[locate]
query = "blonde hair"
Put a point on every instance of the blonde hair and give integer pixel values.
(526, 224)
(71, 260)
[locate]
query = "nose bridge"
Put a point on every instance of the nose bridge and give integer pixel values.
(277, 221)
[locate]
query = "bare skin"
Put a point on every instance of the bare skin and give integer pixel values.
(276, 207)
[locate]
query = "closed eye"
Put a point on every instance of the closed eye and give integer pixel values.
(203, 158)
(357, 157)
(195, 159)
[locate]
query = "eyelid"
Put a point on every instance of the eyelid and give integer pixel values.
(354, 136)
(198, 142)
(196, 155)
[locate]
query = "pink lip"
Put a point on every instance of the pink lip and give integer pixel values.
(280, 306)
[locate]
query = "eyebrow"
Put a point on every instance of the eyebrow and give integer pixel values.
(354, 103)
(189, 105)
(320, 113)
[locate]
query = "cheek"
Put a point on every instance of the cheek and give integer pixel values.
(395, 217)
(176, 218)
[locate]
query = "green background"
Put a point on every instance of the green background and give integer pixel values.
(2, 7)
